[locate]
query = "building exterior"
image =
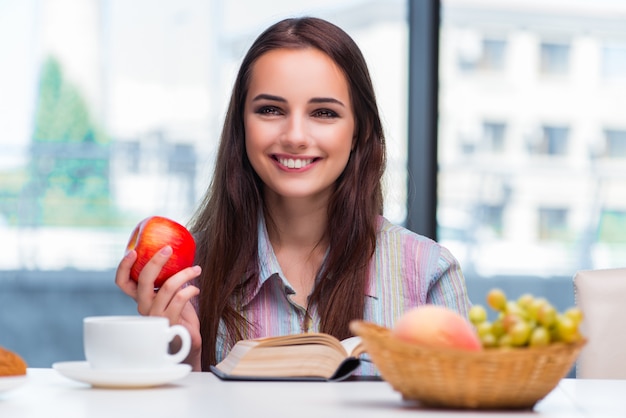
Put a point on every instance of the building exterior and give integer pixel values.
(532, 136)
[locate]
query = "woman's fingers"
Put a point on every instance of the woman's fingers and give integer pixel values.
(148, 275)
(181, 299)
(122, 275)
(172, 296)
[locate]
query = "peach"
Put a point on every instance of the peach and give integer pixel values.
(437, 327)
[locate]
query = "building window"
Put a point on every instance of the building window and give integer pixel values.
(490, 56)
(612, 229)
(615, 143)
(554, 58)
(614, 61)
(492, 219)
(553, 140)
(493, 136)
(552, 224)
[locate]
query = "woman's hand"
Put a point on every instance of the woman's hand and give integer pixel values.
(172, 300)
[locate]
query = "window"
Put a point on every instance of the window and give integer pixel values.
(493, 136)
(490, 57)
(492, 219)
(615, 143)
(614, 61)
(553, 141)
(552, 224)
(554, 58)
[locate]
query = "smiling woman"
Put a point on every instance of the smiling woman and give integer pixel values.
(148, 83)
(295, 250)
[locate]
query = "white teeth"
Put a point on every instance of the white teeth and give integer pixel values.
(297, 163)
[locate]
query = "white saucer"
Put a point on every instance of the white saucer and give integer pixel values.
(121, 378)
(10, 382)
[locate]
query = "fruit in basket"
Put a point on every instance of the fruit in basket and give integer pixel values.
(526, 322)
(154, 233)
(437, 327)
(496, 299)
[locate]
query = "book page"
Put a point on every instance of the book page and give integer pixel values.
(353, 346)
(236, 354)
(301, 339)
(290, 360)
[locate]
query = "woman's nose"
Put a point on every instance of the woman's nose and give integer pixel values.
(295, 134)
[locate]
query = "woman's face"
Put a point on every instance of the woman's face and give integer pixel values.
(299, 122)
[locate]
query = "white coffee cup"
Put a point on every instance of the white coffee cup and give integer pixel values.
(132, 342)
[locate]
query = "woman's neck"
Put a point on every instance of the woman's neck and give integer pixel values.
(296, 229)
(296, 223)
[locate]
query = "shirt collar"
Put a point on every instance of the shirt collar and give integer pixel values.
(269, 267)
(268, 263)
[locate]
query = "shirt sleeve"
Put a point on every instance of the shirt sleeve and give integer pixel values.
(447, 285)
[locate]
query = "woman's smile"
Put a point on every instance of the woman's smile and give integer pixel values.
(291, 163)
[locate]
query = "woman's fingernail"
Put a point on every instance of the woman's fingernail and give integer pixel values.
(167, 250)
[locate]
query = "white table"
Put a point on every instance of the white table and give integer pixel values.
(49, 394)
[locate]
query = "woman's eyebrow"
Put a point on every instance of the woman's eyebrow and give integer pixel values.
(264, 96)
(326, 100)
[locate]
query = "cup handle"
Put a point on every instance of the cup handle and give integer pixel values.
(185, 347)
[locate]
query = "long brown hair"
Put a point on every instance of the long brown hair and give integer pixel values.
(226, 222)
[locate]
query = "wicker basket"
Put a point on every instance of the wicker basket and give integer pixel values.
(515, 378)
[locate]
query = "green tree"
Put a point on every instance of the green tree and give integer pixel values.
(69, 159)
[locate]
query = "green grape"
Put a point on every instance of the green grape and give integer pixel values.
(509, 320)
(505, 341)
(496, 299)
(497, 327)
(513, 308)
(484, 328)
(525, 300)
(566, 329)
(575, 314)
(540, 337)
(488, 340)
(535, 305)
(477, 314)
(520, 333)
(528, 321)
(546, 315)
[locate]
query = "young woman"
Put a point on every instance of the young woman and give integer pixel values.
(290, 235)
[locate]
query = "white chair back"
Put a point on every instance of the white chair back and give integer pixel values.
(601, 295)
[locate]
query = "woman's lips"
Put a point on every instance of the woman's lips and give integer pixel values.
(294, 162)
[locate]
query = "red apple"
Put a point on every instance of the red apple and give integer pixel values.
(437, 327)
(154, 233)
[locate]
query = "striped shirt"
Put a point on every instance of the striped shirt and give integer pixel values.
(406, 270)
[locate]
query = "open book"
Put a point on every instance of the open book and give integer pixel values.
(311, 356)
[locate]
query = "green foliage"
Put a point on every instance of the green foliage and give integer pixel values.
(69, 159)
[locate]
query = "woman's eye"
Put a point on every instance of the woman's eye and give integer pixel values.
(325, 113)
(268, 110)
